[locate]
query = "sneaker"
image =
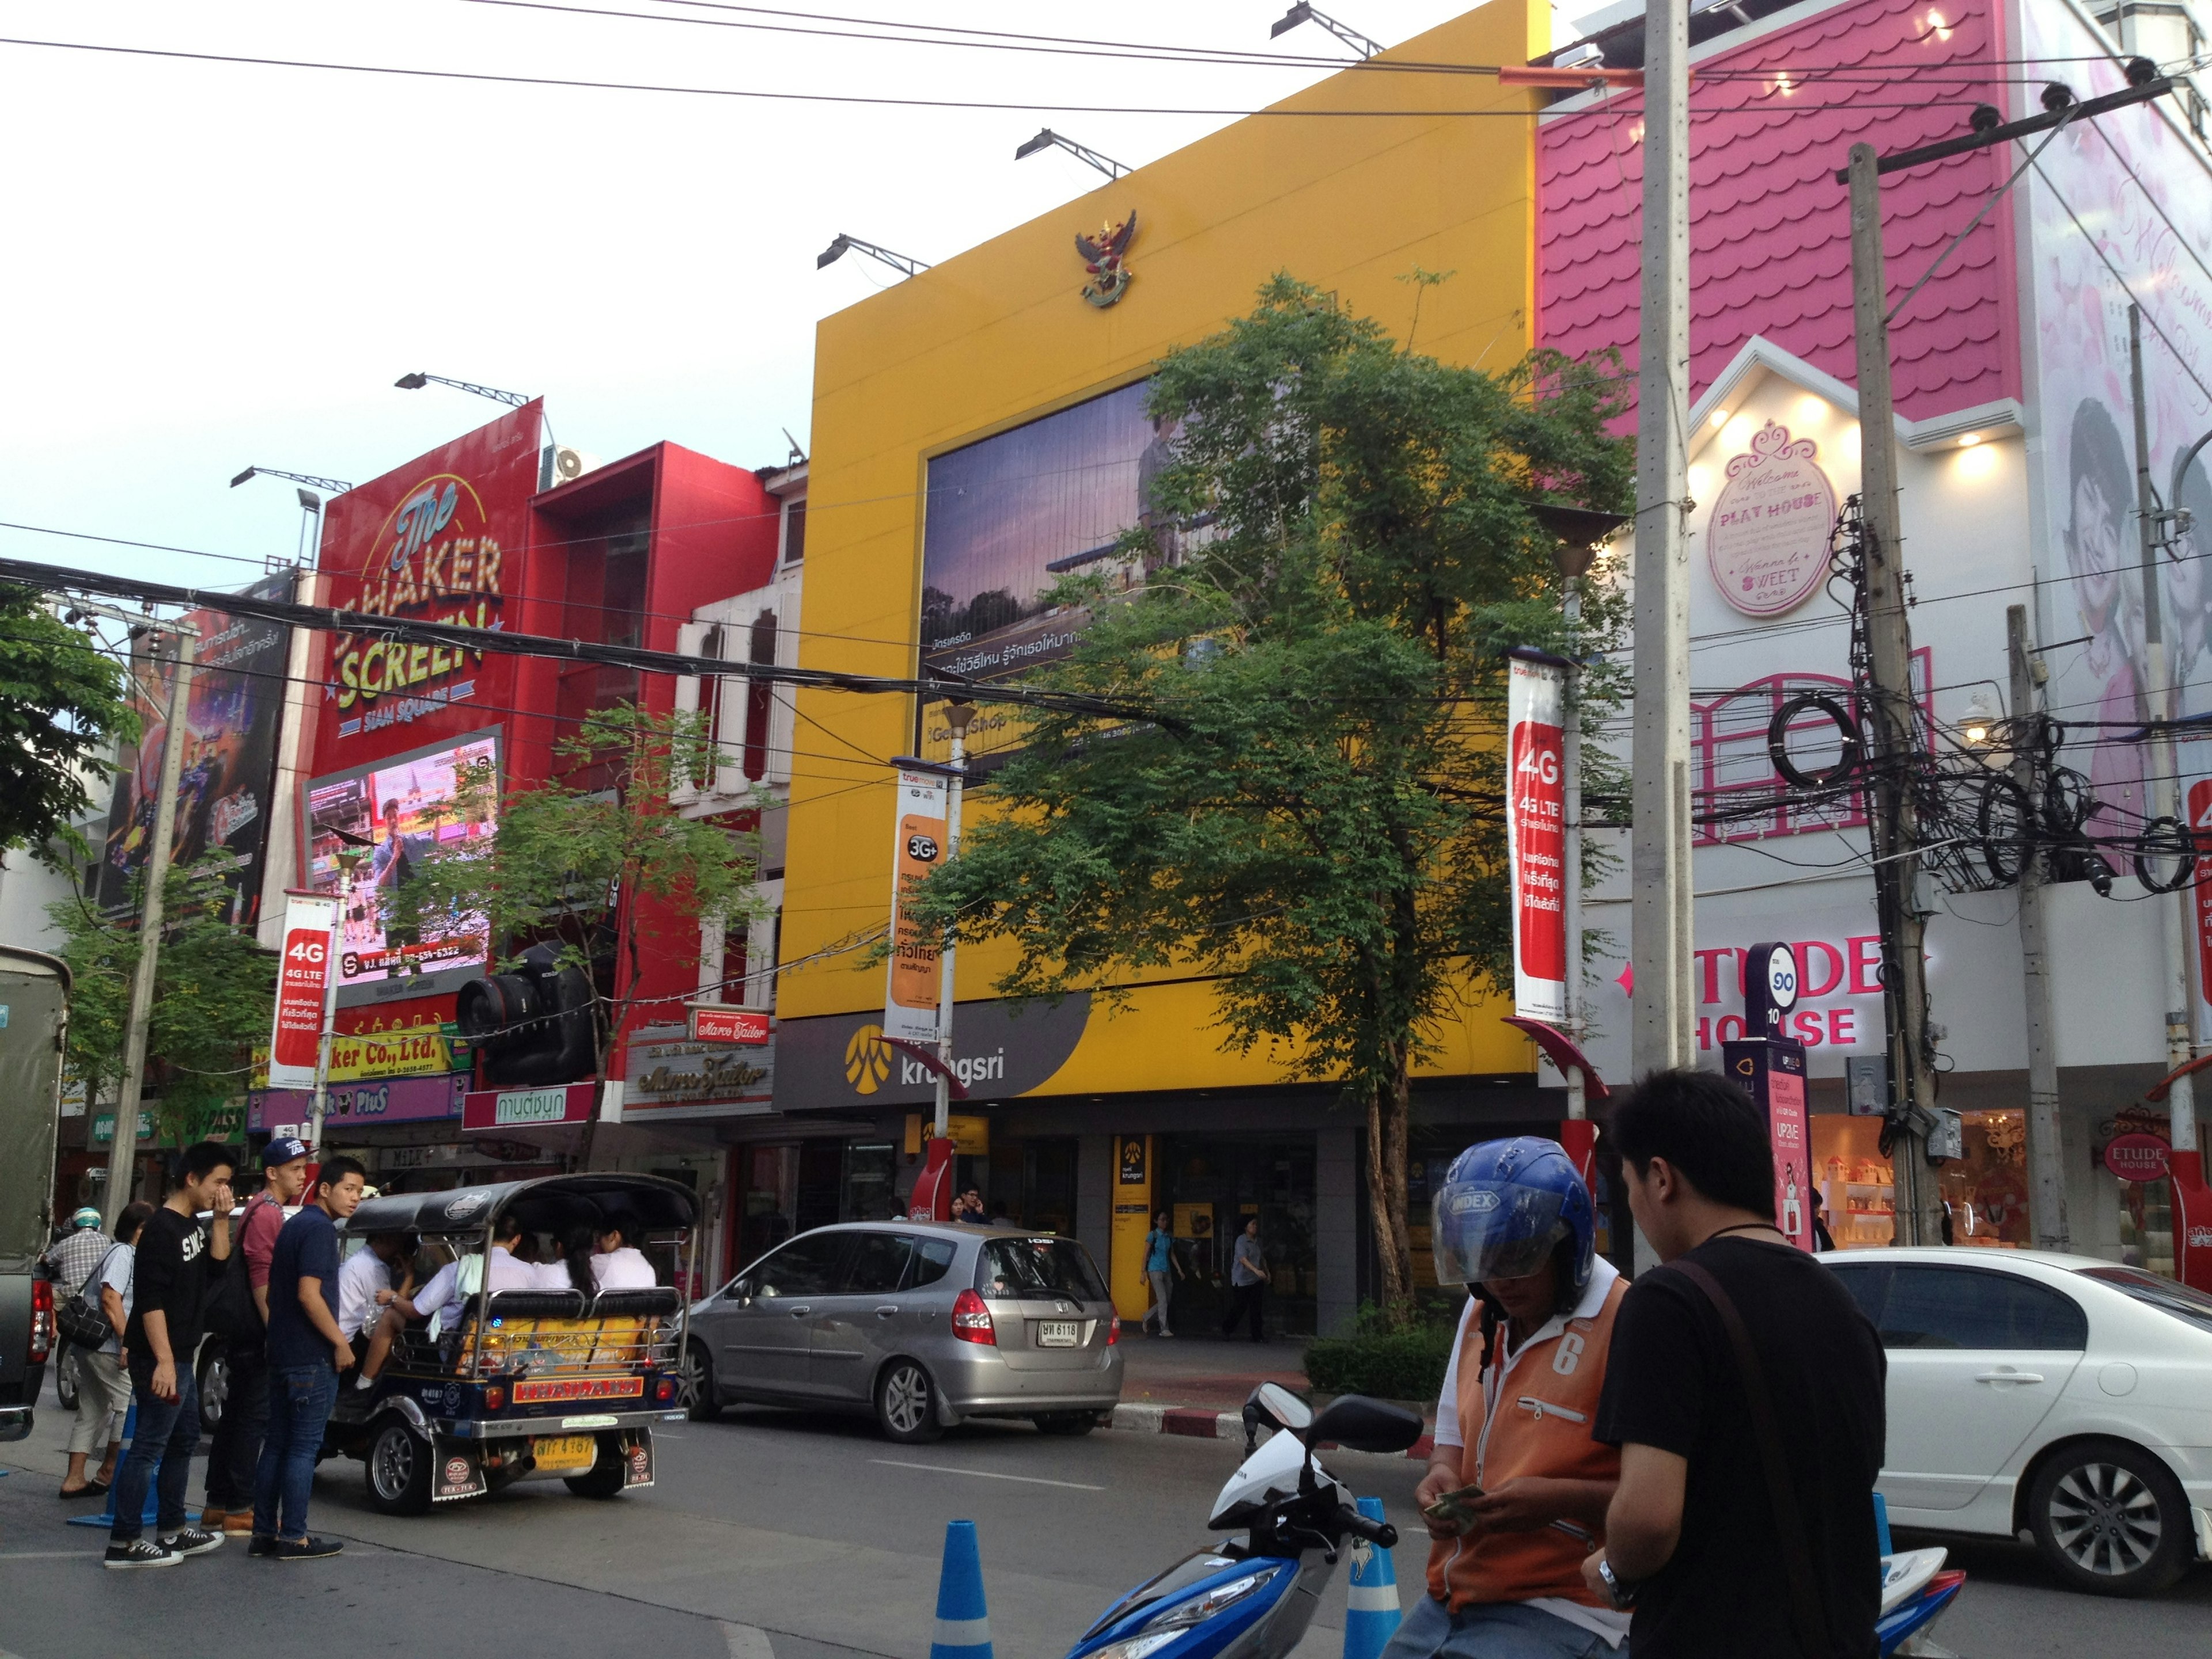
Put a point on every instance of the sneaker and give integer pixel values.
(192, 1541)
(306, 1549)
(140, 1553)
(263, 1544)
(238, 1523)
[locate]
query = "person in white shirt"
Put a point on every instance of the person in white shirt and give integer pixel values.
(371, 1279)
(445, 1297)
(618, 1265)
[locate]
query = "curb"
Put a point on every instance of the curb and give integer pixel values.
(1198, 1423)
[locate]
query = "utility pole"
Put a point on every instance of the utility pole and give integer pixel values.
(2046, 1162)
(1893, 826)
(957, 715)
(348, 858)
(1661, 1032)
(2158, 696)
(123, 1156)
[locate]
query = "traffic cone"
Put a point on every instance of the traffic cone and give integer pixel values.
(964, 1624)
(1372, 1612)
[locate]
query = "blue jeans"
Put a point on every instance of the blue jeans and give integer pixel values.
(1492, 1630)
(299, 1400)
(167, 1434)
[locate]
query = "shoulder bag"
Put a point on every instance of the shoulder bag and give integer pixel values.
(85, 1322)
(230, 1310)
(1806, 1613)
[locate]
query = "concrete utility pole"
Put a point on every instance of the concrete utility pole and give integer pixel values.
(957, 715)
(1662, 1032)
(2047, 1160)
(2158, 696)
(1894, 828)
(123, 1156)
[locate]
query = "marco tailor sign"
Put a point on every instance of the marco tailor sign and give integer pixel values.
(296, 1040)
(1535, 830)
(910, 991)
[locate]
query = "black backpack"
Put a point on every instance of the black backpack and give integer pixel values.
(230, 1310)
(81, 1319)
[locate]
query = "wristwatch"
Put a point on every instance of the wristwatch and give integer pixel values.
(1621, 1594)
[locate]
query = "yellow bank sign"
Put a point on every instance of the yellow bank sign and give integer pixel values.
(422, 1052)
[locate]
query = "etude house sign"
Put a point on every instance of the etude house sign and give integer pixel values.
(1767, 543)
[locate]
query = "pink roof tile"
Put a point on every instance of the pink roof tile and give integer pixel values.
(1770, 229)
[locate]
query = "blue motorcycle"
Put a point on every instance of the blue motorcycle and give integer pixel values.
(1254, 1597)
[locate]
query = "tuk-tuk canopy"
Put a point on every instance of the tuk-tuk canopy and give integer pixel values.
(550, 1203)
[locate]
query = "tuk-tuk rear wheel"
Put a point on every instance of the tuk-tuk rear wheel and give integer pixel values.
(399, 1471)
(607, 1477)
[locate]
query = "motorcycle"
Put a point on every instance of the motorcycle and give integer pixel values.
(1254, 1597)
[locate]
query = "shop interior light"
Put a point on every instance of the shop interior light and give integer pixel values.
(1720, 419)
(1970, 441)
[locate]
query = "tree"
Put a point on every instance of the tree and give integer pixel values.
(213, 989)
(575, 854)
(1315, 813)
(63, 707)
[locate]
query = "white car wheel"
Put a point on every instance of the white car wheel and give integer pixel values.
(2111, 1518)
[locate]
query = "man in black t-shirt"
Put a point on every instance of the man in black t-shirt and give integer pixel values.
(1693, 1540)
(168, 1293)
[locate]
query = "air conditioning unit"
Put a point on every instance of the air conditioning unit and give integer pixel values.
(559, 464)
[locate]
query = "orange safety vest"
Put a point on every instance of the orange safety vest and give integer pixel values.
(1535, 1418)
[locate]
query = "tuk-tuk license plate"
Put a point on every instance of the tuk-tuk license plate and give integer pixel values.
(1058, 1333)
(565, 1453)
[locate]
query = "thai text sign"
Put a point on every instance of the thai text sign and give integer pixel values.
(911, 989)
(1535, 830)
(526, 1109)
(296, 1039)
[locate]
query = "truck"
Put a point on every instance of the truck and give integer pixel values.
(35, 990)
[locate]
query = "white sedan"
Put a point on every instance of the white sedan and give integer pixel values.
(2062, 1400)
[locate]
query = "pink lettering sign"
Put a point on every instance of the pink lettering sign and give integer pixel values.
(1767, 542)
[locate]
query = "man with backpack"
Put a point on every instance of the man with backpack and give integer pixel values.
(239, 1313)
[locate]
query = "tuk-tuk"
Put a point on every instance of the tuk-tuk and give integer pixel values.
(531, 1382)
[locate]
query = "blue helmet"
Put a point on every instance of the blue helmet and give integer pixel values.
(1505, 1207)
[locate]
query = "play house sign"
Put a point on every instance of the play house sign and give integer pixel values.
(1767, 543)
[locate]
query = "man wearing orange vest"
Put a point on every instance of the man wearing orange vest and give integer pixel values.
(1516, 1489)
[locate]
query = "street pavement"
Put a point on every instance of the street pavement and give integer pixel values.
(782, 1535)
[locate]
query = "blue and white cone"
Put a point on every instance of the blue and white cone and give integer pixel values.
(963, 1625)
(1372, 1613)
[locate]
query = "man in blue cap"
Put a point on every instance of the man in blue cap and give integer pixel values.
(235, 1452)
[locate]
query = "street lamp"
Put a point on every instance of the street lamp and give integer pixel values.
(334, 486)
(1048, 139)
(417, 380)
(1303, 12)
(844, 245)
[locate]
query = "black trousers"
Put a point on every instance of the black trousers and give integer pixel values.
(235, 1451)
(1244, 1300)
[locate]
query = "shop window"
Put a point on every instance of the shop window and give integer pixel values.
(877, 1265)
(710, 711)
(794, 531)
(870, 1172)
(1930, 1307)
(1984, 1194)
(759, 696)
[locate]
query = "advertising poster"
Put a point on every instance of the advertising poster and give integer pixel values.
(1535, 836)
(911, 979)
(407, 813)
(1772, 1071)
(295, 1038)
(225, 788)
(438, 540)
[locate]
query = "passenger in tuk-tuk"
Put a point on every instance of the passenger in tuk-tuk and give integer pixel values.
(619, 1265)
(447, 1293)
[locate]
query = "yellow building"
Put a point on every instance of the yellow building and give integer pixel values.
(982, 425)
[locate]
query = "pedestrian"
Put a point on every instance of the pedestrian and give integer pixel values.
(103, 1388)
(235, 1452)
(69, 1261)
(1248, 1281)
(1745, 1392)
(307, 1352)
(169, 1290)
(1823, 1240)
(1162, 1268)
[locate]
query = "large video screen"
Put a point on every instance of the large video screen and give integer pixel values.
(399, 816)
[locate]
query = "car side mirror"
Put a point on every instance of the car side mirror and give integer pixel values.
(1358, 1424)
(742, 1291)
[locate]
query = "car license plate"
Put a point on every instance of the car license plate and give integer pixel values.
(1058, 1333)
(565, 1453)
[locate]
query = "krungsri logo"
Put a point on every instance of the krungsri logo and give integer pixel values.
(867, 1062)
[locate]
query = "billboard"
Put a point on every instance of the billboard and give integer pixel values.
(1536, 834)
(407, 810)
(440, 539)
(1009, 515)
(229, 775)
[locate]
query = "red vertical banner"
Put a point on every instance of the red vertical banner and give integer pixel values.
(2200, 826)
(1535, 832)
(295, 1040)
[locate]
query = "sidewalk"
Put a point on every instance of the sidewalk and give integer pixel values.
(1197, 1385)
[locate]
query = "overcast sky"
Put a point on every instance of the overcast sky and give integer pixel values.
(210, 265)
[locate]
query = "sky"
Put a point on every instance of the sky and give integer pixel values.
(212, 265)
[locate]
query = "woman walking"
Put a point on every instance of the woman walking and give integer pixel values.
(1162, 1268)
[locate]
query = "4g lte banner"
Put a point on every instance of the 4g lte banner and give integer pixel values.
(296, 1041)
(1536, 834)
(910, 994)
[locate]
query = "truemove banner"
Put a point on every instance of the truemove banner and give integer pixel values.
(1535, 830)
(910, 989)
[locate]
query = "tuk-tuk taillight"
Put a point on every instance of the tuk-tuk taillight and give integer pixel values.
(665, 1390)
(495, 1397)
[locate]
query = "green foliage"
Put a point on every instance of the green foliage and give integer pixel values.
(1385, 1358)
(1315, 817)
(568, 849)
(63, 707)
(213, 990)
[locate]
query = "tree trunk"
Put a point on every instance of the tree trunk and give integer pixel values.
(1387, 1125)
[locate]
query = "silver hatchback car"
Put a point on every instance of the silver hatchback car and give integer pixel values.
(921, 1323)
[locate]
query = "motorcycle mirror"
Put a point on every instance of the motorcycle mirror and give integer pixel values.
(1273, 1404)
(1360, 1423)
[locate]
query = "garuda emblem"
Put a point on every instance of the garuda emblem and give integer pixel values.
(1107, 259)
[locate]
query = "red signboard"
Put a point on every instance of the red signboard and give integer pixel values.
(547, 1390)
(2137, 1157)
(2200, 822)
(491, 1110)
(296, 1042)
(1536, 828)
(714, 1022)
(439, 539)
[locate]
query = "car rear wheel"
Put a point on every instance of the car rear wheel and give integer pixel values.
(398, 1470)
(65, 1380)
(694, 1383)
(1068, 1422)
(2111, 1519)
(906, 1403)
(214, 1380)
